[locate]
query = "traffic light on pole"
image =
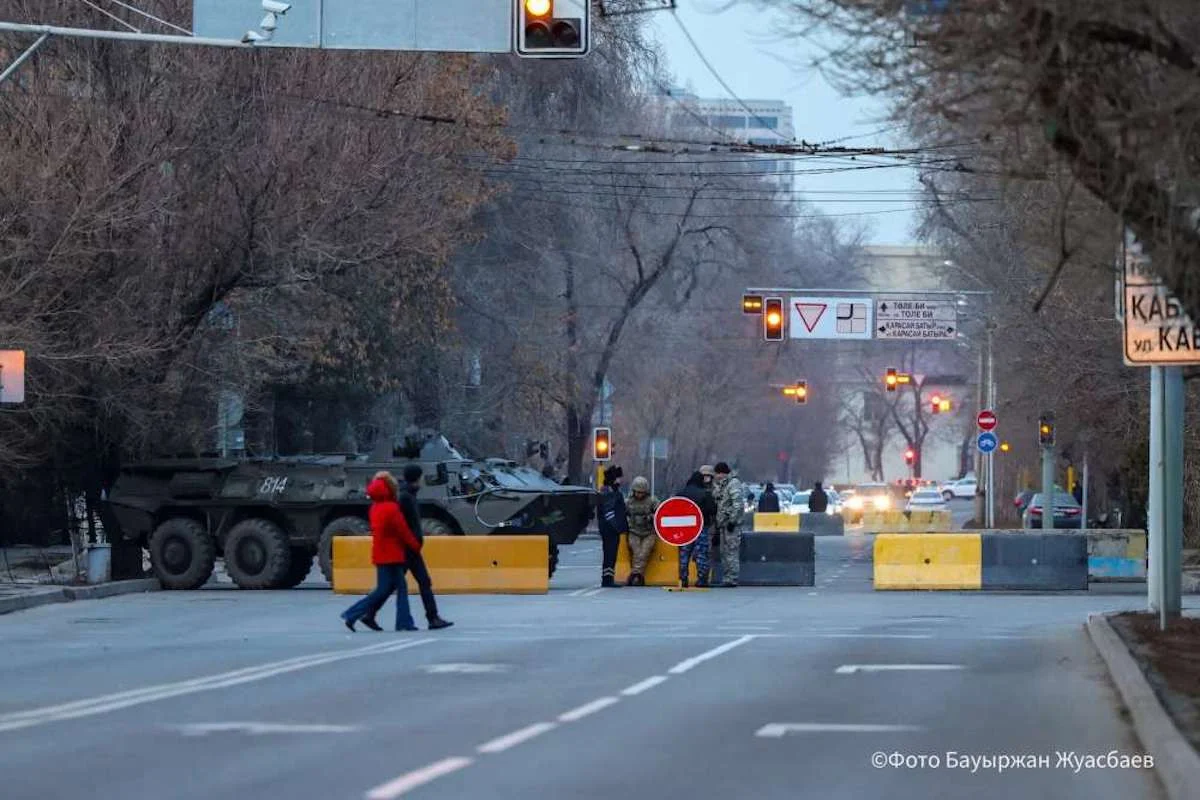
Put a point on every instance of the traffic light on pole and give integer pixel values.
(552, 28)
(945, 406)
(801, 392)
(890, 380)
(909, 456)
(773, 319)
(601, 444)
(1046, 430)
(1005, 447)
(752, 304)
(935, 403)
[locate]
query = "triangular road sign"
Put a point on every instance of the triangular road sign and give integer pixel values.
(810, 314)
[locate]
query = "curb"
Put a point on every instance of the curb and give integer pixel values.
(67, 594)
(1177, 763)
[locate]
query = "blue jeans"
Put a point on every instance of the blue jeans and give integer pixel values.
(388, 578)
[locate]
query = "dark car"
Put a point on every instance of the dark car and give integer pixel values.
(1021, 501)
(1067, 512)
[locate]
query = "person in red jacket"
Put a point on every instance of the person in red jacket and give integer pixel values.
(390, 538)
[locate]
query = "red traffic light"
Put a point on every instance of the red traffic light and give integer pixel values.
(909, 456)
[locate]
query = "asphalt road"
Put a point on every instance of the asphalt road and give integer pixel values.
(587, 692)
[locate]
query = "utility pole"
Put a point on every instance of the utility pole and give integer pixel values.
(1165, 518)
(991, 457)
(981, 400)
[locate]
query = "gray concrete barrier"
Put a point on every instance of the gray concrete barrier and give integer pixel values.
(822, 524)
(1116, 555)
(773, 560)
(1035, 561)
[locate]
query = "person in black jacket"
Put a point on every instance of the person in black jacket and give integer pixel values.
(697, 491)
(415, 561)
(818, 501)
(768, 503)
(613, 521)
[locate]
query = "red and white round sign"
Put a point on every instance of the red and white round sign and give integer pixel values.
(986, 420)
(678, 521)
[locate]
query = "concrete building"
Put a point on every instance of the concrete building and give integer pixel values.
(944, 366)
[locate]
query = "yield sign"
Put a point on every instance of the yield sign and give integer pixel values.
(678, 521)
(810, 314)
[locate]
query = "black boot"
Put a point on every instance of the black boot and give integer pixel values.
(437, 623)
(371, 623)
(683, 582)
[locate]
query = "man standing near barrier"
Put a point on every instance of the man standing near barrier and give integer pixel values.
(818, 501)
(612, 521)
(415, 561)
(697, 491)
(640, 507)
(729, 491)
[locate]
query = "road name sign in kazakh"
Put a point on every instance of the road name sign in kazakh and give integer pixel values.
(900, 318)
(830, 317)
(1157, 330)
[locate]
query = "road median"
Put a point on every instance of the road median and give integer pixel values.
(42, 596)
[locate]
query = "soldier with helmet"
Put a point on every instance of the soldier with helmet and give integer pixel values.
(640, 510)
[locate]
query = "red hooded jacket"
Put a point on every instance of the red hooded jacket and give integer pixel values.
(390, 534)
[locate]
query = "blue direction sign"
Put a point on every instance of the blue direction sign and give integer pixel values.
(986, 442)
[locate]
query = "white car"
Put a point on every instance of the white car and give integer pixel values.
(926, 500)
(963, 487)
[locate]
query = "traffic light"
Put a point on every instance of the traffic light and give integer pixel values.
(909, 456)
(945, 405)
(890, 380)
(1005, 447)
(935, 403)
(552, 28)
(1046, 430)
(752, 304)
(773, 319)
(801, 392)
(601, 444)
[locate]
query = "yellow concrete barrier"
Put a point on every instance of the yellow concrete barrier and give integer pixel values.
(911, 522)
(929, 561)
(457, 564)
(775, 522)
(661, 570)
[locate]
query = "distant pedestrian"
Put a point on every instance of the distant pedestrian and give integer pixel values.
(612, 521)
(728, 491)
(391, 539)
(1077, 493)
(414, 560)
(768, 502)
(818, 501)
(698, 493)
(640, 510)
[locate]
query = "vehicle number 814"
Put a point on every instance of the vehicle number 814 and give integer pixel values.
(274, 485)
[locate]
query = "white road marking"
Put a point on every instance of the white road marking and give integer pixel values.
(850, 669)
(643, 686)
(418, 777)
(873, 636)
(579, 592)
(777, 730)
(684, 666)
(751, 621)
(588, 708)
(502, 743)
(259, 728)
(466, 669)
(812, 594)
(593, 592)
(115, 702)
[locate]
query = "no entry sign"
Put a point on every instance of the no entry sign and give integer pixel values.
(678, 521)
(986, 420)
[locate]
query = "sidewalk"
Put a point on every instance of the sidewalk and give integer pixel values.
(18, 597)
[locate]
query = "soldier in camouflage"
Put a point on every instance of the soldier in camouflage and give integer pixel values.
(730, 494)
(640, 509)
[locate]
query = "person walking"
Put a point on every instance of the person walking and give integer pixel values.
(728, 492)
(697, 491)
(640, 511)
(818, 501)
(613, 521)
(768, 503)
(413, 559)
(391, 540)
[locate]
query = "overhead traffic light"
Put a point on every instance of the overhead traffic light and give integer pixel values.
(601, 444)
(891, 379)
(801, 392)
(910, 456)
(773, 319)
(1046, 430)
(752, 304)
(552, 28)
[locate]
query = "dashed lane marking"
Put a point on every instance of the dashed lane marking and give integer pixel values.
(502, 743)
(777, 730)
(850, 669)
(643, 686)
(418, 777)
(588, 709)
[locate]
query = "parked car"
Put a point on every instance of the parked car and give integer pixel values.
(1067, 512)
(926, 499)
(963, 487)
(1021, 501)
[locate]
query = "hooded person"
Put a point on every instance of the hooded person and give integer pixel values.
(768, 501)
(697, 491)
(612, 521)
(392, 539)
(640, 510)
(414, 560)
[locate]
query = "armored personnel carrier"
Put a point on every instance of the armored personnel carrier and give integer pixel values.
(269, 517)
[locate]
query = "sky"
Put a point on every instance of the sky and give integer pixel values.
(759, 65)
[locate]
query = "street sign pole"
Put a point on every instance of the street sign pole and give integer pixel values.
(1048, 487)
(991, 457)
(1165, 521)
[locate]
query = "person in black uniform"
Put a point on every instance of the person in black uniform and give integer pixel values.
(613, 521)
(415, 561)
(768, 502)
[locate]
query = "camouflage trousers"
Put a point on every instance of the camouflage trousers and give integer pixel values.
(640, 548)
(698, 549)
(731, 551)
